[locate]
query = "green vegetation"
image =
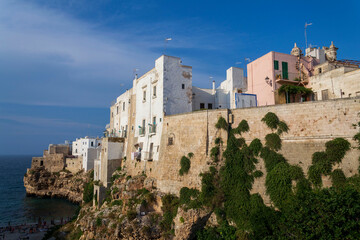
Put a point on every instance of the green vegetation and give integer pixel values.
(291, 89)
(304, 210)
(170, 206)
(98, 222)
(88, 192)
(222, 124)
(185, 165)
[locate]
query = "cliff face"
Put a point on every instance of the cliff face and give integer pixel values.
(63, 184)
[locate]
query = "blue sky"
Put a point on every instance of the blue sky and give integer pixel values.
(62, 62)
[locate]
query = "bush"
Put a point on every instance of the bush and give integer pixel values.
(336, 149)
(214, 153)
(170, 206)
(338, 178)
(185, 165)
(98, 222)
(117, 203)
(189, 197)
(271, 120)
(190, 155)
(273, 141)
(131, 214)
(242, 127)
(282, 127)
(222, 124)
(255, 146)
(88, 193)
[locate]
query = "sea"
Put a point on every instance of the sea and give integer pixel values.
(15, 207)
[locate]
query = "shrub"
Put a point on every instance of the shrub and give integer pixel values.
(185, 165)
(338, 178)
(222, 124)
(182, 220)
(117, 203)
(98, 222)
(258, 174)
(131, 214)
(336, 149)
(170, 206)
(214, 153)
(88, 193)
(255, 146)
(273, 141)
(217, 140)
(190, 155)
(189, 197)
(282, 127)
(271, 120)
(242, 127)
(357, 138)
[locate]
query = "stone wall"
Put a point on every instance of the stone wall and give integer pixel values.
(74, 164)
(311, 125)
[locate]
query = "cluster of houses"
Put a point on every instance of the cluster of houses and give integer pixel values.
(136, 116)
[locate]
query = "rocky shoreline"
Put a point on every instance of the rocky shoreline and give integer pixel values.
(63, 184)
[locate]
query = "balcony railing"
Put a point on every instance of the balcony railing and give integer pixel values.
(141, 131)
(152, 129)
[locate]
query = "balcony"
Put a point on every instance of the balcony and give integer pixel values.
(152, 129)
(141, 131)
(291, 79)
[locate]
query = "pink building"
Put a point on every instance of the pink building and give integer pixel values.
(269, 72)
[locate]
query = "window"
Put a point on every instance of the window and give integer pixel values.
(154, 120)
(276, 65)
(154, 91)
(315, 96)
(170, 141)
(117, 110)
(324, 95)
(285, 73)
(320, 70)
(202, 105)
(112, 114)
(209, 105)
(144, 96)
(123, 106)
(92, 144)
(183, 86)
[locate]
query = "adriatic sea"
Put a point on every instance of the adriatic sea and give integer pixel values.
(15, 207)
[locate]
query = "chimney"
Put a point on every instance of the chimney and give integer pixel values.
(213, 87)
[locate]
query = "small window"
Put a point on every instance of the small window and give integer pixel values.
(276, 65)
(144, 96)
(209, 105)
(202, 105)
(170, 141)
(123, 106)
(183, 86)
(112, 114)
(320, 70)
(154, 91)
(315, 96)
(92, 144)
(117, 110)
(154, 120)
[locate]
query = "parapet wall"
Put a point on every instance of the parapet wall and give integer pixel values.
(311, 125)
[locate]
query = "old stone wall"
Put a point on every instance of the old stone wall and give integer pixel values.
(311, 125)
(74, 164)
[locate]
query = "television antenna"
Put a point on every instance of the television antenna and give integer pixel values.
(306, 25)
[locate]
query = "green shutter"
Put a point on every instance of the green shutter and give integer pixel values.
(276, 65)
(285, 74)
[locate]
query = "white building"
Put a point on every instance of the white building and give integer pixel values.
(88, 148)
(226, 95)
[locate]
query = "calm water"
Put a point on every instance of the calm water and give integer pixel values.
(15, 206)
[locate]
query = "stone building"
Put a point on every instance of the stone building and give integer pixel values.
(53, 159)
(88, 149)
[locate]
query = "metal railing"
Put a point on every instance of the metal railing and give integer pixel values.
(141, 131)
(152, 129)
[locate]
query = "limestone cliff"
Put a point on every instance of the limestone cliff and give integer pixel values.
(63, 184)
